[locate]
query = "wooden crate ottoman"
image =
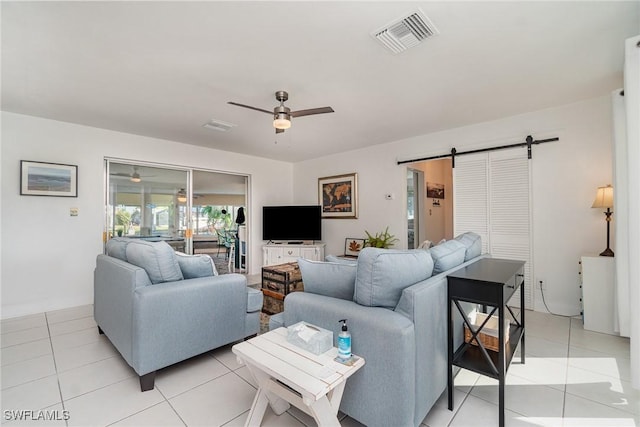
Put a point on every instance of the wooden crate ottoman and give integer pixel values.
(277, 282)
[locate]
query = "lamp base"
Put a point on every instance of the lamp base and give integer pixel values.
(607, 252)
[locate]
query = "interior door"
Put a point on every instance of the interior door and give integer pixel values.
(492, 197)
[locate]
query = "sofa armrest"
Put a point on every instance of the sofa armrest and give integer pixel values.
(176, 320)
(425, 304)
(114, 282)
(386, 341)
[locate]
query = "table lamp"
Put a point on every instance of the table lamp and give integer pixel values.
(604, 199)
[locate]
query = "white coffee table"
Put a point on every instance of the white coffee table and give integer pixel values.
(287, 374)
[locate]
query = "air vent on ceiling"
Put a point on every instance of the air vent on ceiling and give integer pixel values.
(218, 125)
(406, 32)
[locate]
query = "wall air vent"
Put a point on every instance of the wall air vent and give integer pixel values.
(406, 32)
(218, 125)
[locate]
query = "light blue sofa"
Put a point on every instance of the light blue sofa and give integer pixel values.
(158, 307)
(397, 315)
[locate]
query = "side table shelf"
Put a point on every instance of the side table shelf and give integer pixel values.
(489, 282)
(472, 358)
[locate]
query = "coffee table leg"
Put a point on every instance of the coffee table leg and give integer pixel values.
(258, 409)
(324, 413)
(264, 396)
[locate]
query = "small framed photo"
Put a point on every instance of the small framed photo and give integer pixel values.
(353, 246)
(435, 191)
(338, 196)
(48, 179)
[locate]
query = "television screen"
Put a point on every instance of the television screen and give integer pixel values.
(291, 223)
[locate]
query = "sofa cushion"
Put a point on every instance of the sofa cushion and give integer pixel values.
(194, 266)
(447, 255)
(332, 279)
(254, 300)
(117, 247)
(384, 273)
(157, 258)
(472, 243)
(342, 260)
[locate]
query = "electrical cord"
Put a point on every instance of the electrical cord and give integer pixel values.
(547, 307)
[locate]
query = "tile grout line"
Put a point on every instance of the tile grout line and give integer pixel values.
(566, 374)
(55, 366)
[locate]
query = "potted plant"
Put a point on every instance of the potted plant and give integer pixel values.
(382, 239)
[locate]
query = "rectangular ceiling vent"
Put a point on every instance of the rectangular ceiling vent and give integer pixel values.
(406, 32)
(218, 125)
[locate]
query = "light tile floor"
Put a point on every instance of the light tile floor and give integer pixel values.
(58, 363)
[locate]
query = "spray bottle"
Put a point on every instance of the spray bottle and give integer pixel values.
(344, 342)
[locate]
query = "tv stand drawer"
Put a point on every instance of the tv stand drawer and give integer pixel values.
(274, 254)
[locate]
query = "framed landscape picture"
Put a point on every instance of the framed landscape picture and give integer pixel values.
(338, 196)
(48, 179)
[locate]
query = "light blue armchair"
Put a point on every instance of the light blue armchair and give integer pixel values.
(158, 307)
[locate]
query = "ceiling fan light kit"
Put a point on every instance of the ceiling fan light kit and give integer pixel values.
(281, 121)
(282, 114)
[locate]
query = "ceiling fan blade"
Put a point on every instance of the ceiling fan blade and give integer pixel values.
(250, 107)
(279, 131)
(120, 174)
(311, 111)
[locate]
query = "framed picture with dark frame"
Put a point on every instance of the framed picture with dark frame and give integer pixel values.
(338, 196)
(353, 246)
(48, 179)
(435, 190)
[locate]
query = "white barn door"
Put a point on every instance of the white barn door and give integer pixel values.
(492, 197)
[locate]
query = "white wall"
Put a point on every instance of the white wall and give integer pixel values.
(565, 177)
(48, 257)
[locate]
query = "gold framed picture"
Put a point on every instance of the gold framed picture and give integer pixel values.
(338, 196)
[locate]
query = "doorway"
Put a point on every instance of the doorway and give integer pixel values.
(415, 217)
(430, 196)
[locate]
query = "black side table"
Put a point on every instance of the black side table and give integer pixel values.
(490, 282)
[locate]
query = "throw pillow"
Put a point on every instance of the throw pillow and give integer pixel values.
(157, 258)
(447, 255)
(331, 279)
(384, 273)
(194, 266)
(333, 258)
(472, 243)
(117, 247)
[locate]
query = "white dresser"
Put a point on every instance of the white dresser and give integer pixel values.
(598, 293)
(276, 253)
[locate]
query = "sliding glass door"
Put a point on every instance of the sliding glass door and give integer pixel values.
(189, 209)
(148, 202)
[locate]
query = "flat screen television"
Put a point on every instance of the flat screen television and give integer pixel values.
(291, 223)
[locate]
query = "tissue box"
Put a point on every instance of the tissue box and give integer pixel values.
(309, 337)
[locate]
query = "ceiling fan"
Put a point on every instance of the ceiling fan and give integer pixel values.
(133, 176)
(282, 114)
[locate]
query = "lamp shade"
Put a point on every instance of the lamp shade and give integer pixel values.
(604, 197)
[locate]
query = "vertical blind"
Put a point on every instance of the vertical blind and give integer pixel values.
(492, 197)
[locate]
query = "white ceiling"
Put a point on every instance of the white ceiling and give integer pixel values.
(163, 69)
